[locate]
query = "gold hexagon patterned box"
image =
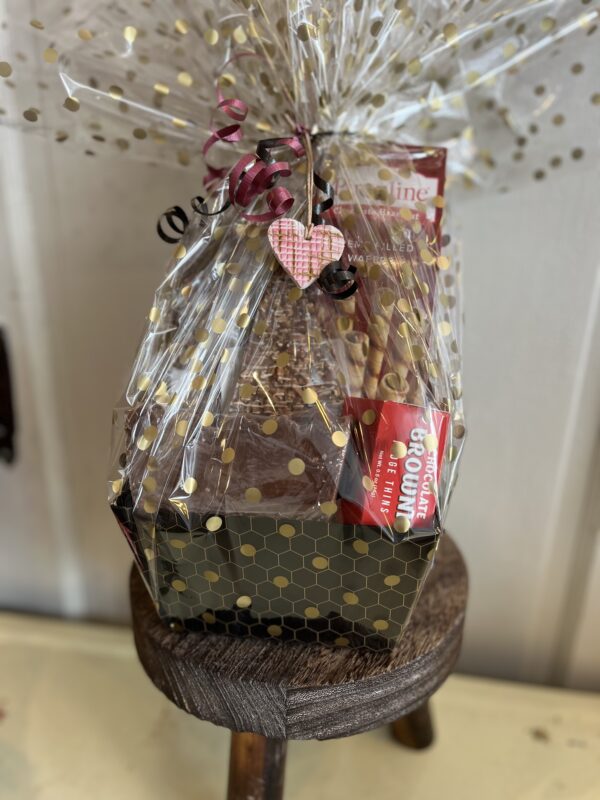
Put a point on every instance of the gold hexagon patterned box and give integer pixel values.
(309, 581)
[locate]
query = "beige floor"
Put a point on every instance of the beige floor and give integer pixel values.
(80, 721)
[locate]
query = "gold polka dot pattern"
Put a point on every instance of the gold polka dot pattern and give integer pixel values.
(244, 578)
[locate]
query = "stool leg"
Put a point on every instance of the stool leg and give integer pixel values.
(415, 730)
(256, 767)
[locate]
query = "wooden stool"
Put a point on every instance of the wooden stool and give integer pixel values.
(266, 692)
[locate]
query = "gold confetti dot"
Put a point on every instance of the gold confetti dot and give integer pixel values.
(71, 104)
(209, 618)
(402, 524)
(117, 485)
(161, 88)
(180, 251)
(369, 417)
(312, 612)
(274, 630)
(207, 419)
(269, 427)
(190, 485)
(381, 624)
(328, 508)
(181, 427)
(239, 35)
(185, 79)
(150, 506)
(450, 32)
(210, 575)
(85, 34)
(151, 432)
(5, 69)
(430, 441)
(260, 327)
(243, 321)
(218, 325)
(339, 438)
(143, 382)
(248, 550)
(296, 466)
(350, 598)
(287, 530)
(149, 484)
(211, 36)
(368, 483)
(50, 55)
(282, 360)
(399, 449)
(443, 262)
(179, 585)
(361, 547)
(548, 24)
(341, 641)
(304, 31)
(320, 562)
(294, 294)
(202, 335)
(309, 396)
(37, 24)
(31, 115)
(253, 495)
(154, 314)
(130, 34)
(445, 328)
(178, 544)
(182, 26)
(280, 581)
(391, 580)
(387, 298)
(414, 66)
(244, 601)
(228, 455)
(178, 122)
(213, 524)
(199, 382)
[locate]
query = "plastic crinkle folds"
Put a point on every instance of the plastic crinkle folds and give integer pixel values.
(288, 441)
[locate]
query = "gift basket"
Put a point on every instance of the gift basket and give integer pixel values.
(286, 447)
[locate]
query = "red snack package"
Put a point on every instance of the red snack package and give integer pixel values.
(400, 449)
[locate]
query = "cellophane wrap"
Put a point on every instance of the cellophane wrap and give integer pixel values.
(283, 458)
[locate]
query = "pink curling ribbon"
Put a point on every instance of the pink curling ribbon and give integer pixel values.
(254, 173)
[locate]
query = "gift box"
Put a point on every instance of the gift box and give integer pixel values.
(287, 443)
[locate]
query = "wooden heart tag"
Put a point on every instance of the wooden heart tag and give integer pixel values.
(304, 259)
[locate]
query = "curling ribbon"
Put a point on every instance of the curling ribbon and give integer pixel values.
(250, 177)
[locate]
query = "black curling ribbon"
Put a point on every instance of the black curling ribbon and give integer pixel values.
(177, 220)
(337, 280)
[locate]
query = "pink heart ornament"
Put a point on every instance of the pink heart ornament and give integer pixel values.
(304, 259)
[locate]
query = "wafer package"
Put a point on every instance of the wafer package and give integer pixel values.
(287, 443)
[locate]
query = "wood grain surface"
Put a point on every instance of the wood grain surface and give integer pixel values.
(294, 691)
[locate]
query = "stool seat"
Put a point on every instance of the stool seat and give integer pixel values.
(307, 691)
